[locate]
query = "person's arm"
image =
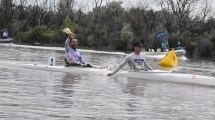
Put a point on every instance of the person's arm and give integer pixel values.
(147, 66)
(81, 61)
(66, 46)
(120, 66)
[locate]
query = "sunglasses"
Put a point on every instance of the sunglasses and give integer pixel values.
(139, 46)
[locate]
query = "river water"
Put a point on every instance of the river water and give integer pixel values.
(33, 94)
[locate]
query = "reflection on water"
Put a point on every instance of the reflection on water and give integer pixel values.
(33, 94)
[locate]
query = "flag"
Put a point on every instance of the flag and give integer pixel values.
(161, 34)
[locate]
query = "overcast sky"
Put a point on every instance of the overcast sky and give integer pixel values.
(86, 5)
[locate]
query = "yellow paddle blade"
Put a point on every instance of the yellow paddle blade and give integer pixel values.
(170, 60)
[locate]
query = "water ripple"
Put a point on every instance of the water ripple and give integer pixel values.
(31, 94)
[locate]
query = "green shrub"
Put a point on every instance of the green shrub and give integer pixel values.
(67, 23)
(204, 49)
(37, 35)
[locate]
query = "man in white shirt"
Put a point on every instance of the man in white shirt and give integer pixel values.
(136, 60)
(72, 54)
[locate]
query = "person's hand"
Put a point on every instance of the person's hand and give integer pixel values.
(69, 60)
(86, 65)
(110, 74)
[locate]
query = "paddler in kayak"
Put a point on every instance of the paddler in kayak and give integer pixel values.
(72, 55)
(136, 60)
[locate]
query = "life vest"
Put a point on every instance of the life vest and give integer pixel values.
(74, 55)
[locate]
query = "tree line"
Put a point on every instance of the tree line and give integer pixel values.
(111, 26)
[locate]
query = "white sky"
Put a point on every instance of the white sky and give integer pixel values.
(87, 5)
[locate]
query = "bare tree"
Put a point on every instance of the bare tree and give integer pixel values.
(20, 12)
(97, 6)
(168, 16)
(7, 11)
(205, 10)
(66, 6)
(182, 12)
(42, 12)
(36, 12)
(148, 17)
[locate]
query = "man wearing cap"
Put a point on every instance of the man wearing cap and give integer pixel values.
(136, 60)
(73, 56)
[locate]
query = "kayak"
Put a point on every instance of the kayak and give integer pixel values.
(156, 55)
(58, 48)
(72, 69)
(179, 53)
(7, 40)
(157, 75)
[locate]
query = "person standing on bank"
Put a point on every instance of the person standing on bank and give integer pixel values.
(164, 46)
(72, 55)
(136, 60)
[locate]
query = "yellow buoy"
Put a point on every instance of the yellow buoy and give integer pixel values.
(170, 60)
